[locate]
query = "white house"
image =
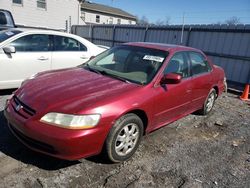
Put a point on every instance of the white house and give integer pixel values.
(62, 14)
(53, 14)
(93, 13)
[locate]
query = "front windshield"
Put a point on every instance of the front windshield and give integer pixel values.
(4, 35)
(130, 63)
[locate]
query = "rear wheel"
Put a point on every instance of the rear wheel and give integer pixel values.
(209, 103)
(124, 138)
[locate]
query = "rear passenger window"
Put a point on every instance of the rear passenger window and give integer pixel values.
(178, 65)
(67, 44)
(199, 64)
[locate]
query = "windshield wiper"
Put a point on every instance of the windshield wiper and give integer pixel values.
(117, 77)
(103, 72)
(91, 69)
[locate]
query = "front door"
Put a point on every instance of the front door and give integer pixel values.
(173, 100)
(32, 56)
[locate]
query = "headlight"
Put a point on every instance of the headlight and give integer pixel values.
(71, 121)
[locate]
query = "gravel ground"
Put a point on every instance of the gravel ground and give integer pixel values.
(196, 151)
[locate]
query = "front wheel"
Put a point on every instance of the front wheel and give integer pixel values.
(124, 138)
(209, 103)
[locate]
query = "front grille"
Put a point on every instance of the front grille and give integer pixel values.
(22, 109)
(33, 143)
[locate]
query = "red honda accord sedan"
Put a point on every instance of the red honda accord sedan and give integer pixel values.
(109, 103)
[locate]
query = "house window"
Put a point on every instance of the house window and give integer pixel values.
(97, 19)
(41, 4)
(110, 20)
(118, 21)
(19, 2)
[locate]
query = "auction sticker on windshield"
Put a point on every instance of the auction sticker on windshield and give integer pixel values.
(153, 58)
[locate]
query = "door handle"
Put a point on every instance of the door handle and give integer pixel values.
(42, 58)
(84, 57)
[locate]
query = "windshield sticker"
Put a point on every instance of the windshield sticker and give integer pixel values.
(9, 33)
(153, 58)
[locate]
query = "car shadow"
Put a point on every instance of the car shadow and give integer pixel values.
(100, 159)
(10, 146)
(6, 91)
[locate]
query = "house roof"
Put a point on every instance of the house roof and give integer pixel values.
(86, 5)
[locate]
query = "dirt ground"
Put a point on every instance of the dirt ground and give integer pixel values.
(196, 151)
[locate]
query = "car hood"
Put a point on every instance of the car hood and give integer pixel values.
(70, 90)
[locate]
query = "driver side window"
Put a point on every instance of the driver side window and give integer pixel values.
(178, 65)
(32, 43)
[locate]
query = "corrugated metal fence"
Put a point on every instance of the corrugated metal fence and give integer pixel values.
(227, 45)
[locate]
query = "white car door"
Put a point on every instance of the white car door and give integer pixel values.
(68, 52)
(32, 55)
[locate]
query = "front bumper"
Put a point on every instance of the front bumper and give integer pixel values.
(55, 141)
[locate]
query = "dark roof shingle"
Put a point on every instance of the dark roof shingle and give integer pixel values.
(106, 9)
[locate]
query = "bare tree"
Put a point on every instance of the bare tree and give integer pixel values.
(143, 21)
(233, 21)
(160, 22)
(219, 22)
(167, 20)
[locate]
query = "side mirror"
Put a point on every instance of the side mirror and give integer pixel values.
(9, 49)
(171, 78)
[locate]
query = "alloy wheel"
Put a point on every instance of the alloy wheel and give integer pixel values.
(127, 139)
(210, 102)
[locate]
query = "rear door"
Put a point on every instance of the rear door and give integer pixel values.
(201, 79)
(68, 52)
(32, 55)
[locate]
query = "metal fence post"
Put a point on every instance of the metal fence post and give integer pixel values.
(188, 36)
(113, 37)
(92, 33)
(145, 35)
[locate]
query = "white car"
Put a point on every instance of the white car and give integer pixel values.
(26, 52)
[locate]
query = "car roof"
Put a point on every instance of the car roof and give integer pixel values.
(52, 32)
(24, 31)
(162, 46)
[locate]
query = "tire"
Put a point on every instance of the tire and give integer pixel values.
(209, 103)
(124, 138)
